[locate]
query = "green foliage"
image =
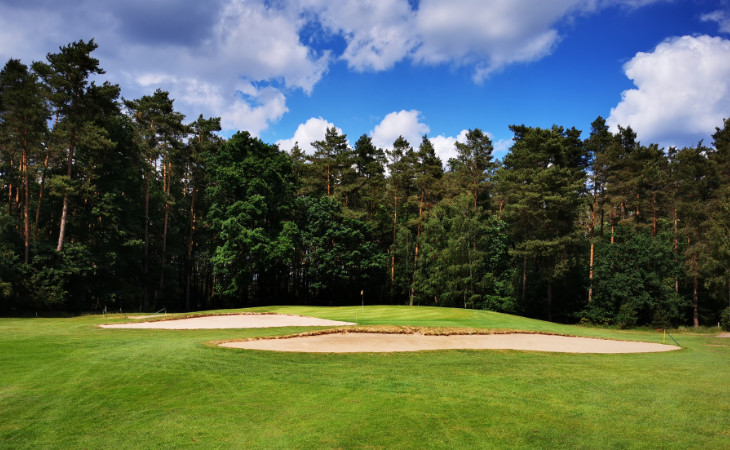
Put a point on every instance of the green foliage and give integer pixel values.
(8, 260)
(725, 319)
(161, 213)
(251, 200)
(542, 182)
(634, 281)
(473, 167)
(59, 280)
(464, 259)
(341, 257)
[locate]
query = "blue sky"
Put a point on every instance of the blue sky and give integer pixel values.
(286, 70)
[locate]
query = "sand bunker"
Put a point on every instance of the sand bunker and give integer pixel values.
(232, 321)
(380, 342)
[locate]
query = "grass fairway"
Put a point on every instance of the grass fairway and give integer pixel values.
(65, 383)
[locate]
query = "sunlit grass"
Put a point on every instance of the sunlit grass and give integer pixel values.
(67, 383)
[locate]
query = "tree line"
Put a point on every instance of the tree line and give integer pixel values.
(123, 204)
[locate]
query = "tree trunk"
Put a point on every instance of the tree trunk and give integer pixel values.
(40, 196)
(189, 263)
(418, 238)
(26, 204)
(64, 211)
(392, 255)
(10, 189)
(166, 193)
(675, 247)
(593, 233)
(146, 262)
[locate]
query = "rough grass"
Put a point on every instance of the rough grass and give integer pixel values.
(67, 383)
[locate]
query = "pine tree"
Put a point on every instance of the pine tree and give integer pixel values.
(370, 164)
(161, 130)
(202, 144)
(542, 181)
(718, 225)
(23, 116)
(696, 179)
(402, 163)
(429, 171)
(75, 101)
(596, 145)
(332, 156)
(474, 166)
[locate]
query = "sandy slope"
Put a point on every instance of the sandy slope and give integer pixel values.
(386, 342)
(232, 321)
(377, 342)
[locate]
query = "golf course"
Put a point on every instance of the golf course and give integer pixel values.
(68, 383)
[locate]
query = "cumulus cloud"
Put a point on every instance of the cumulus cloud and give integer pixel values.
(378, 33)
(682, 91)
(402, 123)
(721, 17)
(262, 43)
(445, 146)
(488, 35)
(312, 130)
(249, 55)
(485, 34)
(234, 58)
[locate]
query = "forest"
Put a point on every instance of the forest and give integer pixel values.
(123, 204)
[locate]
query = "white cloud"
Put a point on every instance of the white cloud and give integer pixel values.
(222, 50)
(262, 43)
(721, 17)
(250, 108)
(402, 123)
(488, 35)
(484, 34)
(445, 146)
(378, 32)
(209, 53)
(312, 130)
(682, 91)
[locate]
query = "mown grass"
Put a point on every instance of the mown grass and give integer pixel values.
(67, 383)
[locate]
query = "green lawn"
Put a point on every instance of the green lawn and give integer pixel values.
(65, 383)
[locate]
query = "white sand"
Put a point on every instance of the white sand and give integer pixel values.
(377, 342)
(386, 342)
(232, 321)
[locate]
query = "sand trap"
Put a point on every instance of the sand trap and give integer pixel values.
(379, 342)
(231, 321)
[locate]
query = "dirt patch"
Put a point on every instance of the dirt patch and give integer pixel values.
(231, 321)
(348, 342)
